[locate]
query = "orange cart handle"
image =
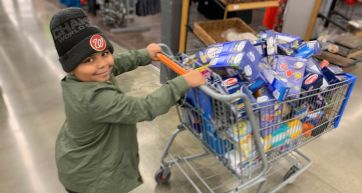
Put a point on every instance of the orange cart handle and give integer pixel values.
(171, 64)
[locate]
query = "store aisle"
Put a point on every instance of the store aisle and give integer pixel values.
(31, 113)
(31, 109)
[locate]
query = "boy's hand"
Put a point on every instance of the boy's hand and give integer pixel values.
(153, 49)
(194, 78)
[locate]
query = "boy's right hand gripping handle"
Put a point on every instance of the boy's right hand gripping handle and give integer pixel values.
(174, 66)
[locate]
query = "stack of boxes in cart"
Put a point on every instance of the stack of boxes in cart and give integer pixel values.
(270, 71)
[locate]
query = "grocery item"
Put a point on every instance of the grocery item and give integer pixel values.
(295, 128)
(332, 73)
(214, 51)
(313, 68)
(292, 69)
(246, 62)
(240, 130)
(280, 135)
(270, 114)
(308, 49)
(277, 85)
(307, 129)
(312, 81)
(311, 121)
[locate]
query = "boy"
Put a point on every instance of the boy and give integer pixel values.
(97, 149)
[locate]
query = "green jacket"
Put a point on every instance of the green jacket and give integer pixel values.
(97, 148)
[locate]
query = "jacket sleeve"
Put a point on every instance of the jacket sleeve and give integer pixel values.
(130, 60)
(107, 105)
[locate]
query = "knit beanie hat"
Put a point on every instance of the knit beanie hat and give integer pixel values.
(75, 39)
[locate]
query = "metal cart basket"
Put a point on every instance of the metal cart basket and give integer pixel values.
(248, 138)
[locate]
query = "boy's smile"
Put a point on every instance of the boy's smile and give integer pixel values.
(95, 68)
(103, 74)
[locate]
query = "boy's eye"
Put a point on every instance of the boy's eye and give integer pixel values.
(87, 60)
(105, 53)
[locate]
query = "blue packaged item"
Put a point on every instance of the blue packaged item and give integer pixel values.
(246, 61)
(258, 84)
(287, 39)
(308, 49)
(318, 102)
(200, 100)
(270, 114)
(271, 46)
(263, 91)
(280, 43)
(232, 85)
(275, 83)
(313, 68)
(263, 35)
(338, 78)
(314, 118)
(241, 106)
(278, 88)
(284, 49)
(287, 44)
(216, 143)
(214, 51)
(270, 42)
(292, 69)
(260, 46)
(333, 74)
(312, 81)
(204, 56)
(281, 38)
(192, 119)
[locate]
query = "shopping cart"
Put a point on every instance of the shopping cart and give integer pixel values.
(249, 139)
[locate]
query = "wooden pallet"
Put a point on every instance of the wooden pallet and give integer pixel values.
(337, 59)
(350, 45)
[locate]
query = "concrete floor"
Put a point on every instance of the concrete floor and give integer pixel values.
(31, 113)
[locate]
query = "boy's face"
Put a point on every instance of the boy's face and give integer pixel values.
(95, 68)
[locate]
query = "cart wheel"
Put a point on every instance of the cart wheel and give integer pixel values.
(290, 172)
(163, 175)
